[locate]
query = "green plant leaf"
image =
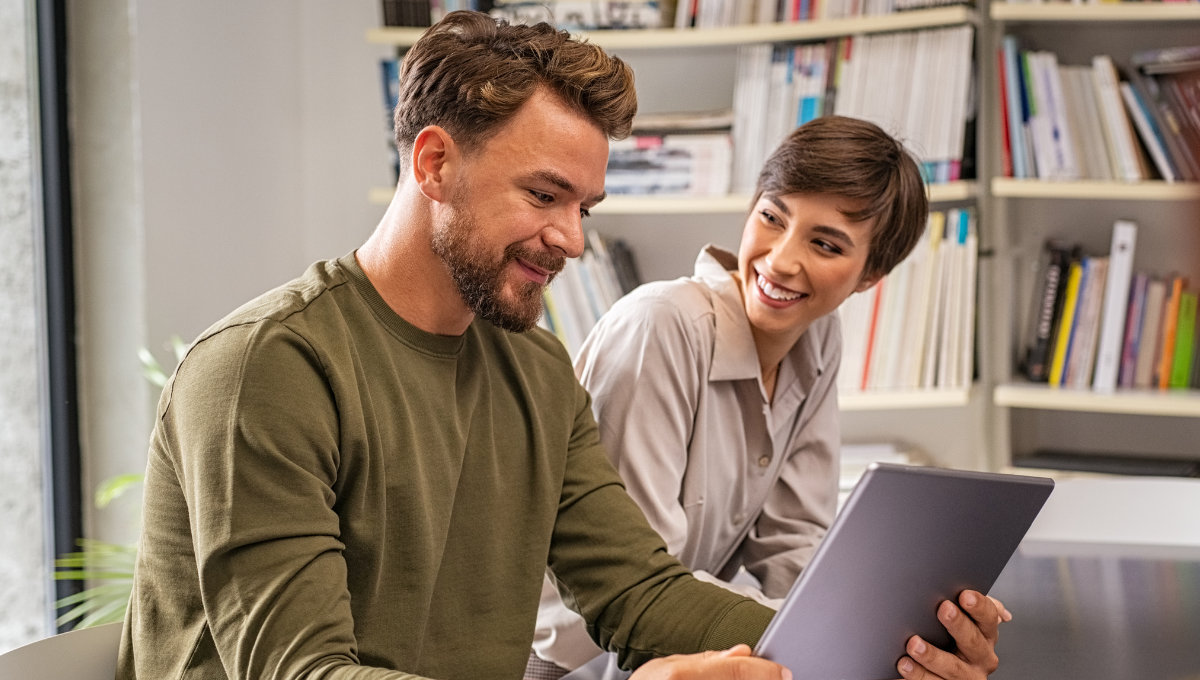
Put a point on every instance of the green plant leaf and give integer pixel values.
(151, 369)
(114, 486)
(180, 348)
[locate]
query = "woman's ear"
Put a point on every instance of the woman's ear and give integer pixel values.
(434, 160)
(865, 283)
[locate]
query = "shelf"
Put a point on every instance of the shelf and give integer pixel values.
(902, 399)
(1156, 190)
(735, 35)
(1136, 402)
(685, 205)
(1123, 11)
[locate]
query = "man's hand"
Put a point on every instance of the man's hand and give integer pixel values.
(975, 628)
(731, 664)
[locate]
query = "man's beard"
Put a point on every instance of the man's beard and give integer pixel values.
(480, 278)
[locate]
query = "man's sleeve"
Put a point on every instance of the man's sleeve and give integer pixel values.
(800, 506)
(253, 430)
(613, 569)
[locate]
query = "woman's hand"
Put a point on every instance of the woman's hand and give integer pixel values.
(975, 628)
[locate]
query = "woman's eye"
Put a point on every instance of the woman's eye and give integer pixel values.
(766, 215)
(828, 247)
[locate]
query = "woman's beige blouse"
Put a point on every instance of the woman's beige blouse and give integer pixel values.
(728, 478)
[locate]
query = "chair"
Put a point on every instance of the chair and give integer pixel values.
(88, 654)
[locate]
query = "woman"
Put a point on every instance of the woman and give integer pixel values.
(716, 394)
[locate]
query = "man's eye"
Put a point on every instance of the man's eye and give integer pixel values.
(584, 212)
(544, 198)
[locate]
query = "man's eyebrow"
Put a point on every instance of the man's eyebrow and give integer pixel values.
(563, 183)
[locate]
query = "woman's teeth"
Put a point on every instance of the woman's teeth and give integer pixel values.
(776, 293)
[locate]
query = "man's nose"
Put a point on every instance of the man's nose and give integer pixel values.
(565, 234)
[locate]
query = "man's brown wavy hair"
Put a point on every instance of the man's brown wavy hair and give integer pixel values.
(857, 160)
(470, 73)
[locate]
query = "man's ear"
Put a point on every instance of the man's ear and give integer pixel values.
(865, 283)
(434, 160)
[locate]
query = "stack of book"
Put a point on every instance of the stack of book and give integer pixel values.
(916, 327)
(1094, 323)
(419, 13)
(583, 15)
(586, 288)
(673, 155)
(716, 13)
(856, 458)
(913, 84)
(1083, 122)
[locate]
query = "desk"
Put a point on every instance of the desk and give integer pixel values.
(1099, 618)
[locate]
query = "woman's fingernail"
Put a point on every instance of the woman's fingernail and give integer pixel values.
(787, 674)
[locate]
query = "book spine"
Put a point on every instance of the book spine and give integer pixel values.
(1006, 135)
(1133, 331)
(1063, 339)
(1181, 365)
(1149, 341)
(1116, 302)
(1170, 326)
(1043, 323)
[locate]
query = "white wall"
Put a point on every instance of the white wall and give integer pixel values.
(23, 567)
(220, 147)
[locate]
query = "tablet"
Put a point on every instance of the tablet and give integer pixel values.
(907, 538)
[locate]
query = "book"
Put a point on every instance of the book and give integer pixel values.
(1116, 123)
(1047, 305)
(1082, 353)
(1150, 340)
(1185, 327)
(1170, 326)
(1066, 324)
(1133, 330)
(915, 85)
(670, 165)
(587, 288)
(1116, 303)
(915, 328)
(1148, 130)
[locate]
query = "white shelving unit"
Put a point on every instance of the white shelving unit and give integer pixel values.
(980, 417)
(1023, 212)
(1183, 403)
(1154, 190)
(1123, 11)
(902, 399)
(662, 38)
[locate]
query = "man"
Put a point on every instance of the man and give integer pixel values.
(366, 472)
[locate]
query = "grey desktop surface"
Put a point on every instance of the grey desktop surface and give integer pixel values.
(907, 539)
(1099, 618)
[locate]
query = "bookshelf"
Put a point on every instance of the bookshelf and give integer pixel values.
(666, 38)
(885, 400)
(1125, 11)
(1153, 190)
(984, 426)
(1028, 417)
(686, 205)
(1180, 403)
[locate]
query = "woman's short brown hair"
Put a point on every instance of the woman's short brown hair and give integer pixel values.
(855, 159)
(470, 73)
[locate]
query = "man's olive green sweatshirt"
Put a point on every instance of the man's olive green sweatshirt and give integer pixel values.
(334, 493)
